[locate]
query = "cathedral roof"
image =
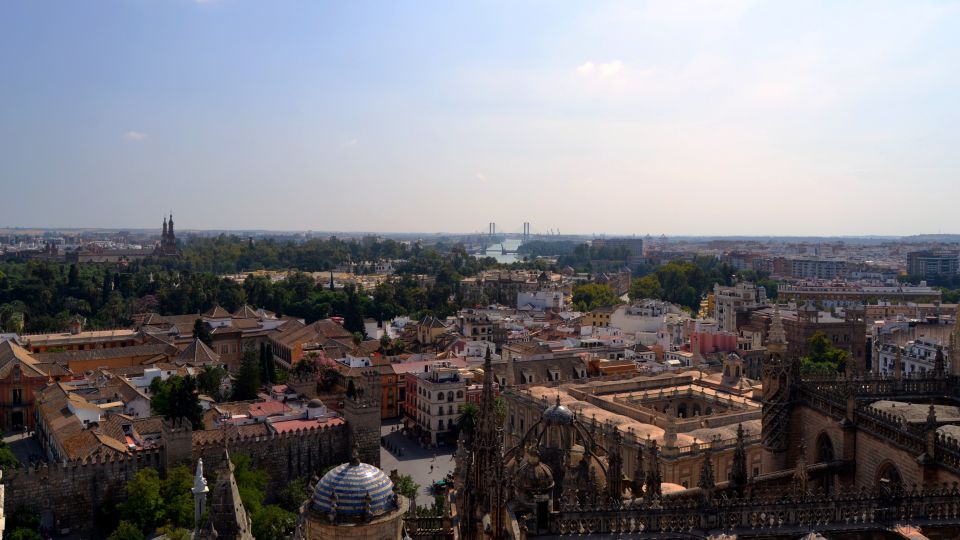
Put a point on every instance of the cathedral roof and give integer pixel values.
(349, 489)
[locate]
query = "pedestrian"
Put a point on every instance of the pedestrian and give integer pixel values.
(431, 468)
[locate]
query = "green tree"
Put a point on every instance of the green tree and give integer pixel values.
(174, 533)
(407, 487)
(273, 523)
(210, 380)
(251, 482)
(247, 384)
(176, 497)
(8, 461)
(142, 506)
(823, 358)
(646, 287)
(293, 495)
(176, 398)
(23, 534)
(202, 332)
(590, 296)
(126, 531)
(467, 420)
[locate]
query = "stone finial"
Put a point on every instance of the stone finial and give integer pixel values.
(199, 482)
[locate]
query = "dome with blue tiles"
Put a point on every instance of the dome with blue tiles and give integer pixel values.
(558, 415)
(354, 490)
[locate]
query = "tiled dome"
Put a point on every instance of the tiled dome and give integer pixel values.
(346, 488)
(558, 415)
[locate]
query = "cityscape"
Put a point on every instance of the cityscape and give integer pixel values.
(504, 271)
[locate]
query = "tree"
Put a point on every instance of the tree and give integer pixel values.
(8, 461)
(268, 371)
(823, 358)
(202, 332)
(646, 287)
(273, 523)
(247, 384)
(293, 495)
(126, 531)
(142, 506)
(590, 296)
(23, 534)
(176, 497)
(467, 420)
(210, 380)
(176, 398)
(174, 533)
(407, 487)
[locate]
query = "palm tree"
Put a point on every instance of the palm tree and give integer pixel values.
(467, 419)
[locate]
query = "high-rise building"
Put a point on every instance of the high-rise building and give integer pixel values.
(928, 264)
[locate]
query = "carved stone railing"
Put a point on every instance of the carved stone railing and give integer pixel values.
(758, 516)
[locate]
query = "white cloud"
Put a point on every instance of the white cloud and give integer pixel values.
(603, 70)
(135, 136)
(350, 142)
(610, 68)
(481, 177)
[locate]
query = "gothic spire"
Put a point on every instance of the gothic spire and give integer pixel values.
(638, 473)
(707, 481)
(163, 236)
(738, 472)
(800, 476)
(654, 478)
(939, 363)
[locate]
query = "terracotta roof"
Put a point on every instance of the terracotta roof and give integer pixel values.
(217, 312)
(12, 355)
(197, 354)
(317, 332)
(246, 312)
(152, 349)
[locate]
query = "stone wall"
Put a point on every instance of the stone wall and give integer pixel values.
(71, 493)
(300, 454)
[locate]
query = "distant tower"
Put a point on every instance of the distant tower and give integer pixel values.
(168, 239)
(777, 376)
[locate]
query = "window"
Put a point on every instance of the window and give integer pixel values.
(17, 396)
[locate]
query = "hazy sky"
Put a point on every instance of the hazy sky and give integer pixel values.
(676, 117)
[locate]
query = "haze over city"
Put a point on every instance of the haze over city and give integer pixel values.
(617, 117)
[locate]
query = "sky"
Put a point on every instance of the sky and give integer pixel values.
(678, 117)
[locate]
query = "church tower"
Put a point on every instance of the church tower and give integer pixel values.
(778, 380)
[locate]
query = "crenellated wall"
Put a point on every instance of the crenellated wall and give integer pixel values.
(72, 492)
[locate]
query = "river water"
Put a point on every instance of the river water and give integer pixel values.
(496, 251)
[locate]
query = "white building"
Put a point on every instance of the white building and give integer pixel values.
(728, 300)
(541, 300)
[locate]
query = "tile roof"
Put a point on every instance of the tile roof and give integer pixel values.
(197, 353)
(12, 355)
(217, 312)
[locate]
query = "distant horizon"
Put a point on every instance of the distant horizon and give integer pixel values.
(534, 236)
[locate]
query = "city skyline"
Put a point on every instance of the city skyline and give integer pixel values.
(679, 119)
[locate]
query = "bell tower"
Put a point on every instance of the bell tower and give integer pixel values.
(777, 377)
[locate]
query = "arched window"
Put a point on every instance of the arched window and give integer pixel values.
(696, 410)
(709, 411)
(682, 411)
(459, 394)
(888, 478)
(824, 448)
